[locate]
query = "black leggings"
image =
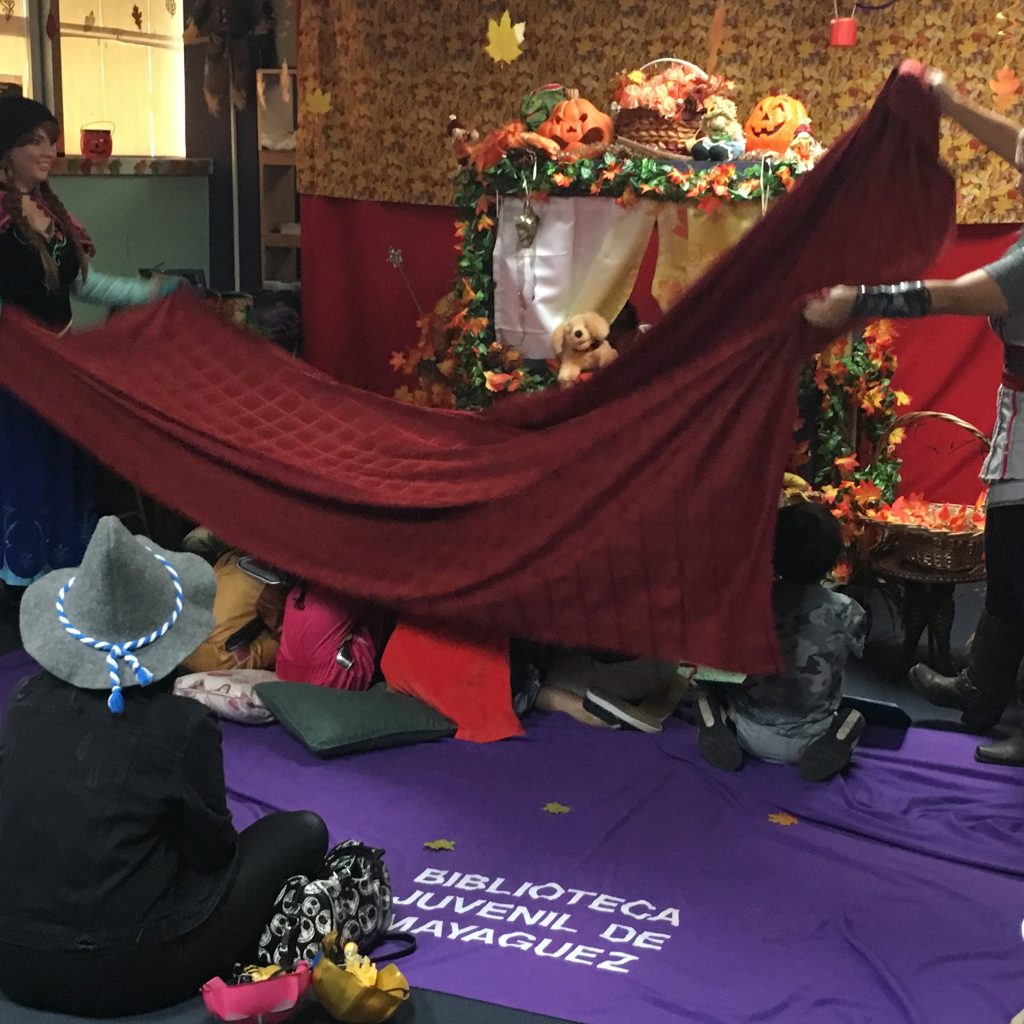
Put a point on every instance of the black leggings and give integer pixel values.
(119, 982)
(1004, 564)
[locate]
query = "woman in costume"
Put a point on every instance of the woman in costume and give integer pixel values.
(123, 883)
(983, 690)
(47, 485)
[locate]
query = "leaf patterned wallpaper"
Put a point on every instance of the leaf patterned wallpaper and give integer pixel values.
(378, 78)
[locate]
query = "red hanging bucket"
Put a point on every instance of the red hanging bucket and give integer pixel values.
(843, 32)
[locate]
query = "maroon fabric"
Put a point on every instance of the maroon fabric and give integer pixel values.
(632, 513)
(355, 314)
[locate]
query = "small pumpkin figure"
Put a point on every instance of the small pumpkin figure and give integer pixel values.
(576, 122)
(773, 123)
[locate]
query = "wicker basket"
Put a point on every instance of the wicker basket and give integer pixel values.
(937, 551)
(647, 128)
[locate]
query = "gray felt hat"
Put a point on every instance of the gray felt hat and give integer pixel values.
(129, 614)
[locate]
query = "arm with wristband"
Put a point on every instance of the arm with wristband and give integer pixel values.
(99, 289)
(993, 291)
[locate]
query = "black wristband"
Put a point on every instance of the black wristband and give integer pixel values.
(906, 299)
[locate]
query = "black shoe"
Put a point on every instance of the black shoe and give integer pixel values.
(616, 711)
(715, 739)
(828, 755)
(1009, 752)
(943, 691)
(265, 573)
(987, 685)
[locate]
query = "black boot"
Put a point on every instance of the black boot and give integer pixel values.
(987, 685)
(1009, 751)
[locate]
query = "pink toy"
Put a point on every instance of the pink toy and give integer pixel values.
(258, 1002)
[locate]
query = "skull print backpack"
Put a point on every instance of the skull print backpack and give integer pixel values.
(352, 896)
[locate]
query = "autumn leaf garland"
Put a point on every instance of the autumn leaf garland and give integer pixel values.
(857, 406)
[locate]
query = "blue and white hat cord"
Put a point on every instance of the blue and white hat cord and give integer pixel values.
(117, 652)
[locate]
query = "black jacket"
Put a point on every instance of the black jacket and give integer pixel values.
(114, 829)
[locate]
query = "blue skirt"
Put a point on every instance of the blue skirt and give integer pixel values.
(47, 496)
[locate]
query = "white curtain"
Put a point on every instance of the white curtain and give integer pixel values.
(585, 257)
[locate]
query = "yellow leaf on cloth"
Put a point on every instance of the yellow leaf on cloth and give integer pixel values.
(782, 818)
(440, 844)
(504, 38)
(555, 808)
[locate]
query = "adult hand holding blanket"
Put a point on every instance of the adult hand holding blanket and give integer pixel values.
(634, 513)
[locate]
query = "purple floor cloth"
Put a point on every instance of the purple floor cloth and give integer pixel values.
(662, 891)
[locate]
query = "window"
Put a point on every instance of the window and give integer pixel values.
(116, 62)
(15, 52)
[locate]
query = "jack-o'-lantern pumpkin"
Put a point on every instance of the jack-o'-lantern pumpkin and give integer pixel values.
(773, 123)
(576, 122)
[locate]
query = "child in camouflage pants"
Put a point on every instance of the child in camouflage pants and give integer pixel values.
(794, 718)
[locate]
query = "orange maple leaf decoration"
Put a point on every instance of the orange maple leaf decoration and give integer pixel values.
(783, 818)
(1005, 88)
(627, 199)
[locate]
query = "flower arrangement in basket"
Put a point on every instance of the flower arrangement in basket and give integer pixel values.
(938, 537)
(660, 105)
(931, 536)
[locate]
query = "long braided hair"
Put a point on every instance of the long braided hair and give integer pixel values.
(12, 205)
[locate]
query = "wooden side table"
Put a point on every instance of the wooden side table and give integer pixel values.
(928, 602)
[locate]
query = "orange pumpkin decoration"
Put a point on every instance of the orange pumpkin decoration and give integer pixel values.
(773, 123)
(576, 122)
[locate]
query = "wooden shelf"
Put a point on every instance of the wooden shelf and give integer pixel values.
(277, 157)
(280, 240)
(276, 119)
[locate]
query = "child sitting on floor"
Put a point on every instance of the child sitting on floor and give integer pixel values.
(794, 718)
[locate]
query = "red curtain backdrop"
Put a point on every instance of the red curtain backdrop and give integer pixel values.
(951, 364)
(357, 309)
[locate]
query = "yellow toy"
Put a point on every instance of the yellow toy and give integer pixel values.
(351, 989)
(795, 489)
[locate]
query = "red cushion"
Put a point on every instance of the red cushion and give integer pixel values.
(466, 680)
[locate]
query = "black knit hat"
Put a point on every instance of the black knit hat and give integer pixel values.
(18, 117)
(808, 541)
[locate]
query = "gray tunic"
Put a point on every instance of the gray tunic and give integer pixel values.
(1004, 468)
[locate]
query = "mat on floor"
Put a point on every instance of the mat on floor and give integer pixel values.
(614, 878)
(423, 1007)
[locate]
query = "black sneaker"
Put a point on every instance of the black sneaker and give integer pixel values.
(828, 755)
(715, 739)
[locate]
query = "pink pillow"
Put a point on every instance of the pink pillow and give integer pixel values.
(229, 693)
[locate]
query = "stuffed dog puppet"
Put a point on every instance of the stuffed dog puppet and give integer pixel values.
(581, 343)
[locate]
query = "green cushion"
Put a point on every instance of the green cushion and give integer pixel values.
(332, 722)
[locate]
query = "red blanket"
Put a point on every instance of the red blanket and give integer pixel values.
(633, 513)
